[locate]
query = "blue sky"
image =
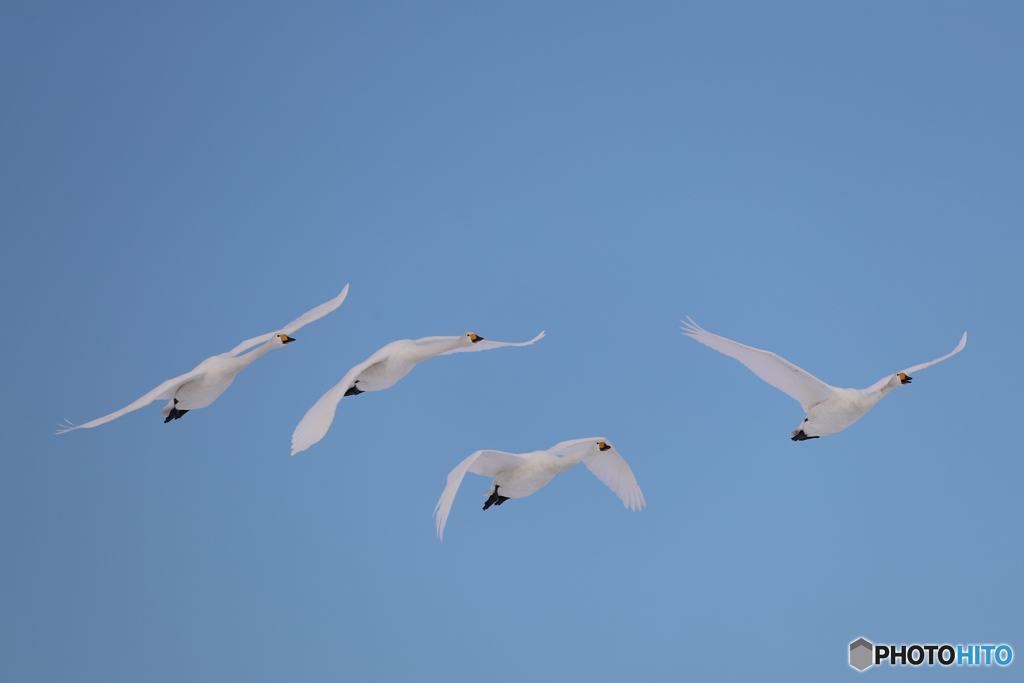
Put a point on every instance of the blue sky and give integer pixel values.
(838, 184)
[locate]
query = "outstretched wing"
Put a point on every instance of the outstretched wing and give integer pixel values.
(318, 419)
(482, 345)
(487, 463)
(165, 390)
(609, 467)
(958, 349)
(885, 380)
(304, 319)
(777, 371)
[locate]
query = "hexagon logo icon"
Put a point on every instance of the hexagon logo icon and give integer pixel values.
(861, 654)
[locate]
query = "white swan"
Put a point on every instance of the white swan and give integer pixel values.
(380, 371)
(829, 409)
(519, 475)
(200, 387)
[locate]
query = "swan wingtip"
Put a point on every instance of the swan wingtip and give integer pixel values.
(64, 428)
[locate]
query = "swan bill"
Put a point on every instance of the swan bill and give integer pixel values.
(285, 339)
(904, 377)
(603, 446)
(475, 338)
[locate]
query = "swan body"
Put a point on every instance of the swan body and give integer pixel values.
(381, 371)
(519, 475)
(202, 385)
(829, 409)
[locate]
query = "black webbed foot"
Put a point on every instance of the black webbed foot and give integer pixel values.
(802, 436)
(353, 391)
(495, 499)
(175, 413)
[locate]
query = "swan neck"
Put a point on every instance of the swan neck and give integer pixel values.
(438, 349)
(247, 358)
(880, 394)
(567, 461)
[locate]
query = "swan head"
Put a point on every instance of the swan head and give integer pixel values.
(904, 377)
(472, 337)
(281, 339)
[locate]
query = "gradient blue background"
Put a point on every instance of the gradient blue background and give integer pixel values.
(841, 184)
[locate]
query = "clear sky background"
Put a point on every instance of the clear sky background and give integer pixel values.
(838, 183)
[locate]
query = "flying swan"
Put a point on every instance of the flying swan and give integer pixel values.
(829, 409)
(519, 475)
(380, 371)
(200, 387)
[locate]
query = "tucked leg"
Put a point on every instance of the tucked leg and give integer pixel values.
(175, 413)
(495, 499)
